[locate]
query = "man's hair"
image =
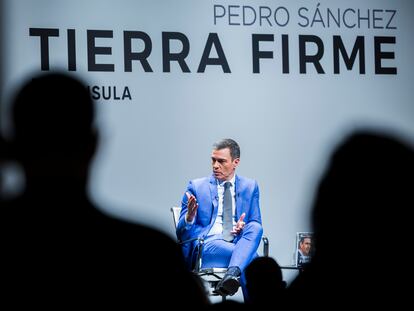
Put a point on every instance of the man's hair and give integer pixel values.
(231, 144)
(302, 238)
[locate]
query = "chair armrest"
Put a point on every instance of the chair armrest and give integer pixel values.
(265, 246)
(190, 240)
(200, 246)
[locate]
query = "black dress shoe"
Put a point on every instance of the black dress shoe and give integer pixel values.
(230, 282)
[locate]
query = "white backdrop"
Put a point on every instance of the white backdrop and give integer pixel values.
(154, 142)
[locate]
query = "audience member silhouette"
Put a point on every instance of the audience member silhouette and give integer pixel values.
(229, 305)
(364, 197)
(60, 249)
(3, 160)
(264, 282)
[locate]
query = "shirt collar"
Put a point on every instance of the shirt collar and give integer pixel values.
(232, 181)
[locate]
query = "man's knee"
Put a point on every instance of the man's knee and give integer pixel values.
(254, 227)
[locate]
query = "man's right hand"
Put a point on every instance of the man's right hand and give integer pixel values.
(192, 207)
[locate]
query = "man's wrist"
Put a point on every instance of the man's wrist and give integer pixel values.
(189, 220)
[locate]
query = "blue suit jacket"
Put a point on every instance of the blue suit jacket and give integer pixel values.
(205, 190)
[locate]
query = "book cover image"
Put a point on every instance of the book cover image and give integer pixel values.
(304, 248)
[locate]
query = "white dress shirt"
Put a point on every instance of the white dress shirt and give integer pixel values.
(217, 227)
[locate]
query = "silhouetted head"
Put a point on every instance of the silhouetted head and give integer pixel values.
(53, 118)
(264, 280)
(367, 190)
(361, 219)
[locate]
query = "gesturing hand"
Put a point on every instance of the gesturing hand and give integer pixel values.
(192, 207)
(239, 225)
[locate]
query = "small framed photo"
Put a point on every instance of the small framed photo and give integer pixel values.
(304, 248)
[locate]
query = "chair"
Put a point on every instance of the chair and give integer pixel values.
(211, 276)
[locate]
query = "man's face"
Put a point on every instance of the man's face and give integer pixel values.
(305, 246)
(223, 165)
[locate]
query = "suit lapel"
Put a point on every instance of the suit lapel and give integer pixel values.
(238, 199)
(214, 198)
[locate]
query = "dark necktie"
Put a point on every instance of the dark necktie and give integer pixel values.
(227, 213)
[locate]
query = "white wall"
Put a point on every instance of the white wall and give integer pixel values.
(285, 123)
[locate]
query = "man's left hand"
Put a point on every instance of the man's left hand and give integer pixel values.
(239, 225)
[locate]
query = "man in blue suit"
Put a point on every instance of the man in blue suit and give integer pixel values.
(202, 216)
